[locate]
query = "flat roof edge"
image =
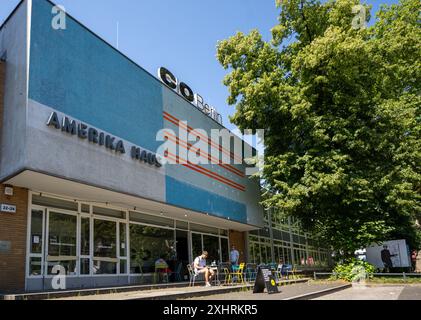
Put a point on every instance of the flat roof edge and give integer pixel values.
(11, 14)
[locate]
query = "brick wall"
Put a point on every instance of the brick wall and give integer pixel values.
(239, 241)
(13, 228)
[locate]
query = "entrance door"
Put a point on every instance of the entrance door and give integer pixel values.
(61, 242)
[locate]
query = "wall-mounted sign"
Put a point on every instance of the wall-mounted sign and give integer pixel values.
(96, 137)
(7, 208)
(5, 246)
(187, 93)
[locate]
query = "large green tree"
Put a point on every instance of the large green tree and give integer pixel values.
(340, 105)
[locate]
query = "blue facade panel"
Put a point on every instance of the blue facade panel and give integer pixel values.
(76, 73)
(187, 196)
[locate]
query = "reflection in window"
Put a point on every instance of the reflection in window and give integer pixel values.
(84, 237)
(69, 267)
(104, 267)
(84, 266)
(224, 250)
(147, 245)
(196, 244)
(211, 245)
(62, 235)
(123, 266)
(35, 266)
(123, 240)
(105, 239)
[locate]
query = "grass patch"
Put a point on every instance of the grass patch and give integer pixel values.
(395, 280)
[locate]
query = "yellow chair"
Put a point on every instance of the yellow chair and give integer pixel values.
(227, 276)
(238, 273)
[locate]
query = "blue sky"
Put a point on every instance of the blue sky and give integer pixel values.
(180, 35)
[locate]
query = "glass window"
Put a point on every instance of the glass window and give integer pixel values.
(123, 266)
(35, 266)
(224, 250)
(68, 265)
(277, 249)
(211, 245)
(147, 245)
(223, 232)
(149, 219)
(257, 252)
(204, 229)
(109, 212)
(123, 240)
(55, 203)
(36, 231)
(182, 255)
(105, 239)
(84, 237)
(84, 266)
(182, 225)
(61, 235)
(196, 244)
(252, 254)
(102, 266)
(85, 208)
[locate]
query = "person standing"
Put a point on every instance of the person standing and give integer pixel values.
(234, 256)
(386, 258)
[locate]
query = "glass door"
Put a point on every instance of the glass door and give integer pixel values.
(61, 244)
(36, 242)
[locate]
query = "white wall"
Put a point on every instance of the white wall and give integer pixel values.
(14, 48)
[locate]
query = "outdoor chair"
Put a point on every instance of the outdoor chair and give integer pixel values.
(251, 272)
(192, 275)
(289, 270)
(237, 274)
(227, 275)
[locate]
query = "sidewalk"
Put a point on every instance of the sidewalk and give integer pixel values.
(178, 293)
(300, 291)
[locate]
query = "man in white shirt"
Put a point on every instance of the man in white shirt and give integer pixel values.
(199, 266)
(234, 256)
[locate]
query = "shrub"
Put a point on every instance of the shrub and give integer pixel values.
(353, 270)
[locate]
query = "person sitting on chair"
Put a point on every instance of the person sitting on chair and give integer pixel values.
(200, 267)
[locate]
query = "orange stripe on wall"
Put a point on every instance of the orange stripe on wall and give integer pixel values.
(206, 172)
(206, 155)
(210, 142)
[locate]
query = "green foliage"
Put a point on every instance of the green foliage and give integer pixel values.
(353, 270)
(341, 112)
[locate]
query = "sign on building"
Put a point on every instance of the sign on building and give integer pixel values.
(7, 208)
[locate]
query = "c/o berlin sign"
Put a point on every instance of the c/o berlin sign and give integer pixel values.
(187, 93)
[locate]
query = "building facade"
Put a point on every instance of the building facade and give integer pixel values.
(82, 185)
(283, 239)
